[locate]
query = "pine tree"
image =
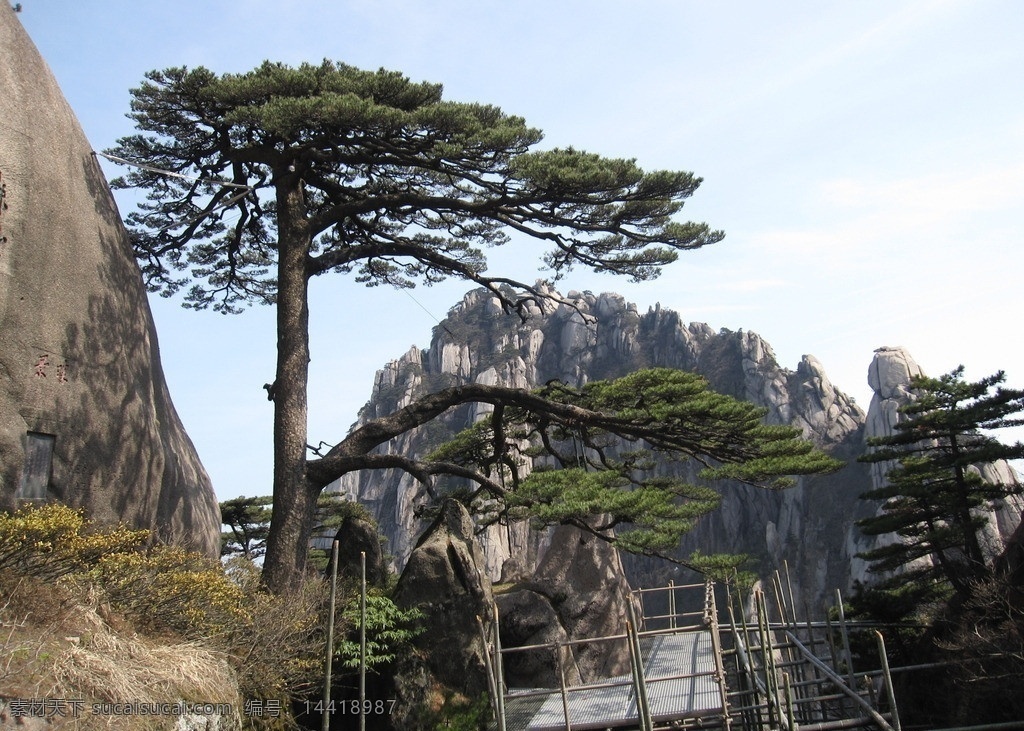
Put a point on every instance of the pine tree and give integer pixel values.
(248, 522)
(604, 444)
(935, 499)
(258, 182)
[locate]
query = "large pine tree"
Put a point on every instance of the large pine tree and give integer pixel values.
(258, 182)
(935, 498)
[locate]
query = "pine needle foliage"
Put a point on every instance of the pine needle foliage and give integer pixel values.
(598, 459)
(935, 499)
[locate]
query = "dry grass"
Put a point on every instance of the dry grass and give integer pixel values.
(77, 655)
(92, 616)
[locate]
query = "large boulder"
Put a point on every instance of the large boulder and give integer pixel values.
(578, 592)
(85, 415)
(444, 579)
(526, 618)
(584, 577)
(357, 536)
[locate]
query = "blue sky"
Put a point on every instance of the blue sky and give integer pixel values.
(865, 160)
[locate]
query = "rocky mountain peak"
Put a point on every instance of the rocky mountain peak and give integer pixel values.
(810, 528)
(595, 336)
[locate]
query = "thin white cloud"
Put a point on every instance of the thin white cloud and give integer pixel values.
(856, 218)
(939, 196)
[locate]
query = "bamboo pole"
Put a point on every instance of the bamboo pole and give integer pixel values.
(849, 691)
(639, 684)
(790, 722)
(488, 667)
(716, 644)
(812, 644)
(362, 639)
(887, 676)
(846, 639)
(787, 615)
(499, 672)
(561, 681)
(789, 588)
(752, 672)
(325, 716)
(672, 604)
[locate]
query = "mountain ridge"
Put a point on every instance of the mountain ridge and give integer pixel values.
(808, 529)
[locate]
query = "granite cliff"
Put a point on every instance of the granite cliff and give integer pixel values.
(85, 414)
(809, 527)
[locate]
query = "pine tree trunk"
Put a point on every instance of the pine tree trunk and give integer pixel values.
(294, 508)
(972, 546)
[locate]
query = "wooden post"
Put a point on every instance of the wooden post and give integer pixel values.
(362, 641)
(325, 715)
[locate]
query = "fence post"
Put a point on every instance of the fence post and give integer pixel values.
(887, 676)
(325, 716)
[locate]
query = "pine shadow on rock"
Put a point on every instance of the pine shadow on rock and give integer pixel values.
(122, 452)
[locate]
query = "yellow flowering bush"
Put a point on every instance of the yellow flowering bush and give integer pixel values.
(54, 540)
(167, 587)
(162, 587)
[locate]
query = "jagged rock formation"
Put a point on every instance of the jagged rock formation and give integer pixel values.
(444, 579)
(85, 416)
(809, 527)
(602, 336)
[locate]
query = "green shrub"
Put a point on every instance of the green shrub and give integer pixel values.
(389, 629)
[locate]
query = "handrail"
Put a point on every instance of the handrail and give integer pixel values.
(839, 682)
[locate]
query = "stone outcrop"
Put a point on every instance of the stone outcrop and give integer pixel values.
(1011, 564)
(578, 591)
(357, 536)
(527, 617)
(445, 580)
(809, 528)
(85, 415)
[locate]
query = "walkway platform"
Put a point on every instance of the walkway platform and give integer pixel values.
(680, 672)
(696, 673)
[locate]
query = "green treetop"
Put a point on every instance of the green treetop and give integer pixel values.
(248, 523)
(291, 173)
(935, 499)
